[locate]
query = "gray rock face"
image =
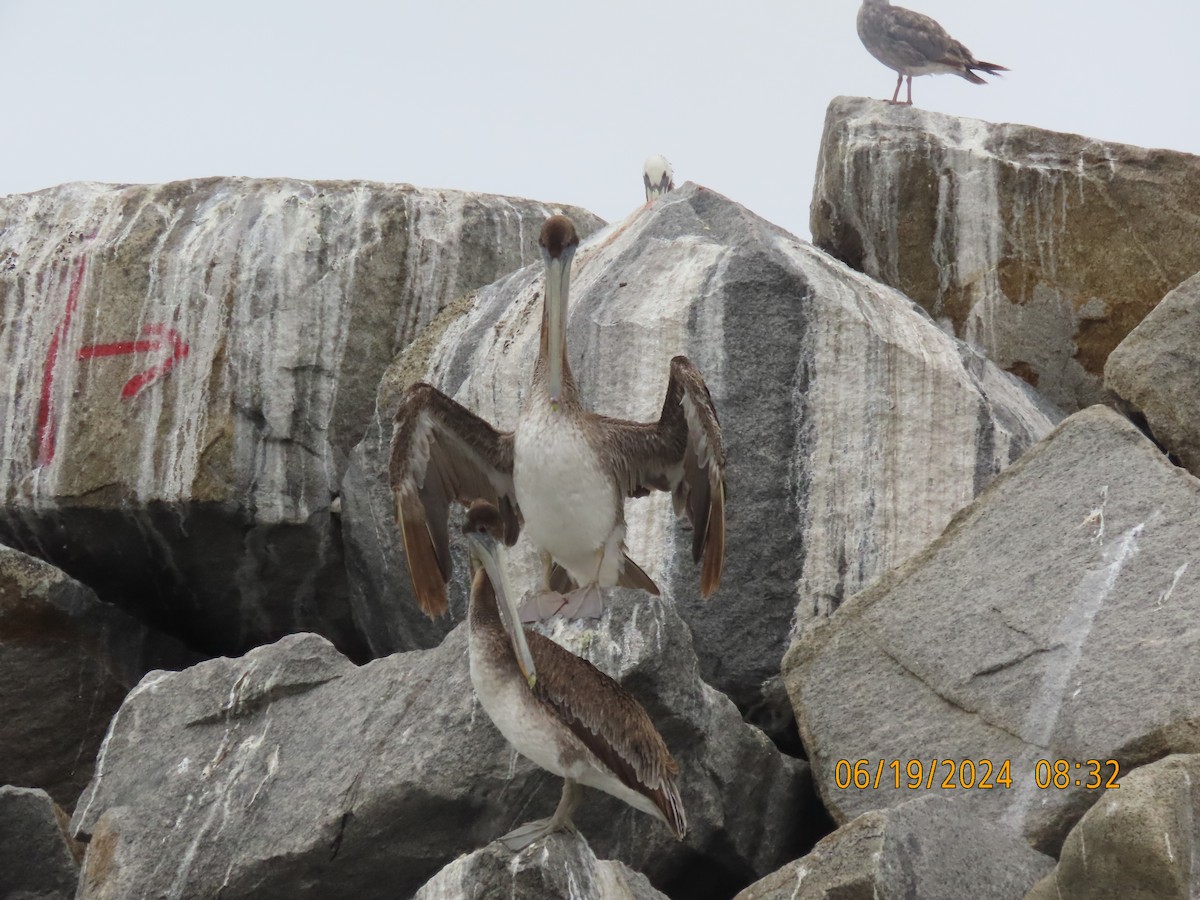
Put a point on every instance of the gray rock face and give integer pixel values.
(291, 773)
(1054, 619)
(928, 848)
(66, 663)
(854, 427)
(560, 866)
(1044, 249)
(1141, 842)
(188, 365)
(1156, 371)
(37, 858)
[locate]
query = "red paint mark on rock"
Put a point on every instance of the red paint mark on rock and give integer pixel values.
(47, 417)
(160, 337)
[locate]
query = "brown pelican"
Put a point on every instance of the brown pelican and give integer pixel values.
(558, 710)
(658, 176)
(563, 473)
(914, 44)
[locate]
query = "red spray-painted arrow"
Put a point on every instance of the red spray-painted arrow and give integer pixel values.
(160, 337)
(47, 418)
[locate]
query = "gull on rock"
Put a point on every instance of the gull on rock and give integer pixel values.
(658, 176)
(914, 44)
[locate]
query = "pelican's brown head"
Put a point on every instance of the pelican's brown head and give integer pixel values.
(485, 535)
(558, 234)
(484, 519)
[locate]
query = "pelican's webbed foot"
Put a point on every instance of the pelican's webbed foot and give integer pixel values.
(583, 603)
(542, 606)
(520, 838)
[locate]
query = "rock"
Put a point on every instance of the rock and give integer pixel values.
(37, 859)
(560, 866)
(1141, 842)
(1053, 620)
(928, 848)
(66, 662)
(854, 427)
(191, 363)
(1044, 249)
(292, 773)
(1156, 371)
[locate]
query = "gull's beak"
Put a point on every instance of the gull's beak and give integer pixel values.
(558, 285)
(491, 556)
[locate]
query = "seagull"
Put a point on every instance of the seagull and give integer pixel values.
(914, 44)
(556, 709)
(658, 176)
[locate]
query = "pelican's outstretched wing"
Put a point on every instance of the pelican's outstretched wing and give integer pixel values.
(682, 453)
(441, 453)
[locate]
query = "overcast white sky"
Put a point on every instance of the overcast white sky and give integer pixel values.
(555, 101)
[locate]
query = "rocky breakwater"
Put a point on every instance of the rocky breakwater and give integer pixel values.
(1043, 249)
(1032, 675)
(187, 365)
(292, 773)
(854, 427)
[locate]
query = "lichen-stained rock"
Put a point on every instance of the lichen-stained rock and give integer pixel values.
(1139, 842)
(854, 427)
(292, 773)
(37, 857)
(66, 662)
(188, 364)
(1044, 249)
(560, 866)
(1055, 619)
(1156, 371)
(927, 848)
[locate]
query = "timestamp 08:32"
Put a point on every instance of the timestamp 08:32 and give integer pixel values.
(973, 774)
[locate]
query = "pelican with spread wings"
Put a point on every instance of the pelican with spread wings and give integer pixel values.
(562, 474)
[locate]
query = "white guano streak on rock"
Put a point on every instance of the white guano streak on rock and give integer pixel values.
(128, 707)
(969, 232)
(433, 258)
(909, 461)
(250, 244)
(1192, 827)
(626, 337)
(304, 329)
(46, 264)
(1070, 635)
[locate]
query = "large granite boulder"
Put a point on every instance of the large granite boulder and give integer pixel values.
(854, 427)
(1054, 620)
(1044, 249)
(38, 860)
(929, 848)
(292, 773)
(190, 363)
(1141, 842)
(559, 866)
(1156, 372)
(66, 662)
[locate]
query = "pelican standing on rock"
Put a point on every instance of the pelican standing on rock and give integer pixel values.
(658, 176)
(558, 710)
(914, 44)
(563, 473)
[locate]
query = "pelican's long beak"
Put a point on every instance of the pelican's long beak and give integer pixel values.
(558, 286)
(490, 554)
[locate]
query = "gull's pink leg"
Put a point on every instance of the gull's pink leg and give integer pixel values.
(896, 93)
